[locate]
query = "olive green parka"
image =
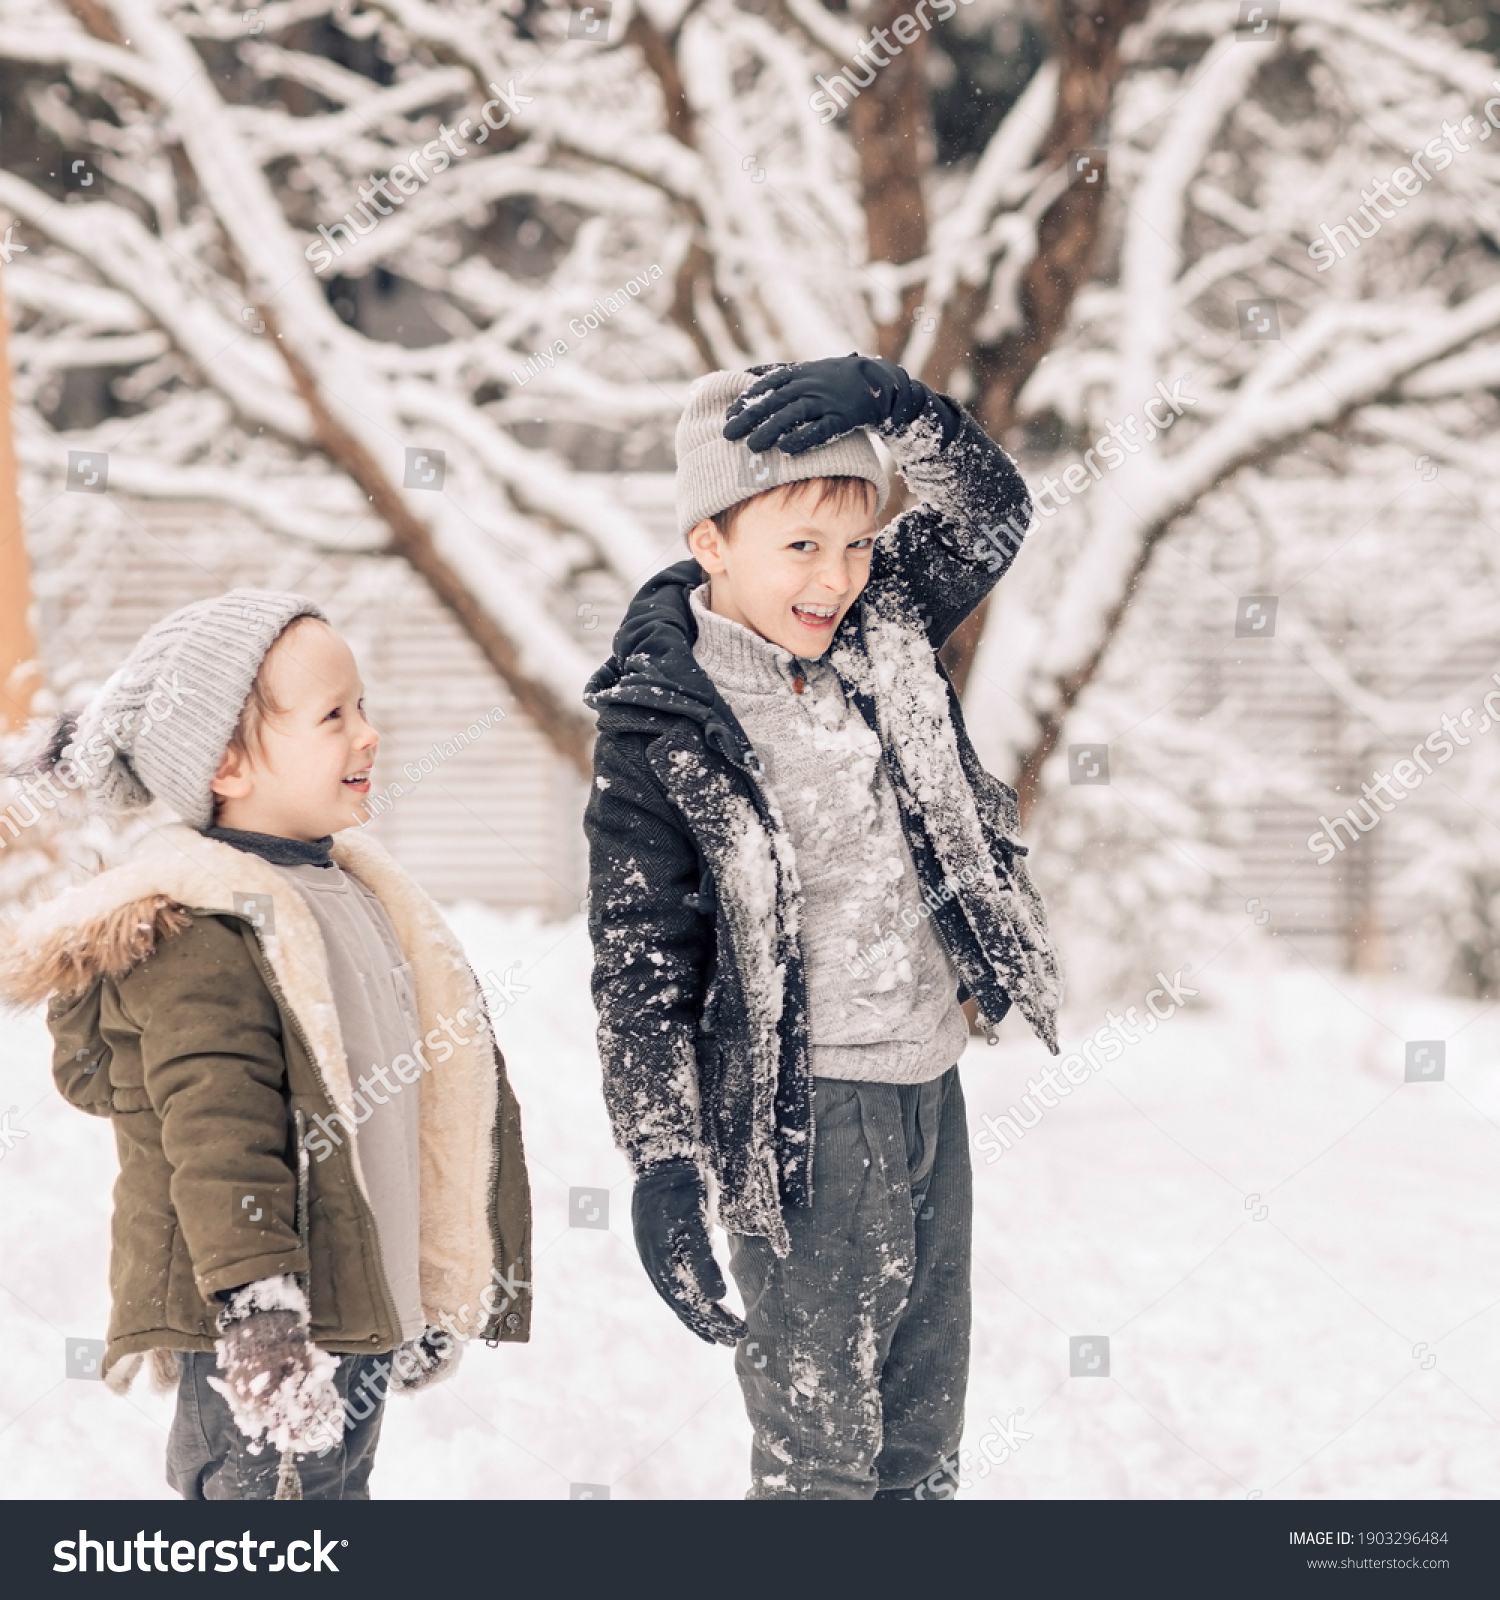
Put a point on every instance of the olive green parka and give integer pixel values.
(189, 1001)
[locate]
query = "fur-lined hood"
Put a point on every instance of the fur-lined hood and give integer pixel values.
(108, 925)
(41, 963)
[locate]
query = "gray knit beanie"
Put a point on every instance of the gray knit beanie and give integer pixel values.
(159, 727)
(714, 473)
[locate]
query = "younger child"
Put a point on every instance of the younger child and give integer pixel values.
(798, 871)
(292, 1245)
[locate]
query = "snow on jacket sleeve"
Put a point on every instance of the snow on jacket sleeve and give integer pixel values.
(650, 949)
(947, 552)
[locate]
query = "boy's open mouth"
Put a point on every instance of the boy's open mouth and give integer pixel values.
(811, 616)
(358, 781)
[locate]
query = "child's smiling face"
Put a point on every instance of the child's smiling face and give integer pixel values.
(791, 568)
(305, 771)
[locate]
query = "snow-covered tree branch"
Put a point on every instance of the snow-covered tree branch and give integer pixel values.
(1229, 293)
(571, 230)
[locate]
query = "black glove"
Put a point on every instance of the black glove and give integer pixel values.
(802, 406)
(669, 1213)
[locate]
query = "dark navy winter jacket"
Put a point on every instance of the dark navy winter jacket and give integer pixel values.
(693, 896)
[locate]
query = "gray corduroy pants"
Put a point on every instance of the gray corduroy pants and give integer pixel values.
(857, 1357)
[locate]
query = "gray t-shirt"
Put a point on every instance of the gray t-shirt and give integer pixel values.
(881, 990)
(376, 1002)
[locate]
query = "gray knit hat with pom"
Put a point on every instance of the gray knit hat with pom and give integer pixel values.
(714, 473)
(159, 727)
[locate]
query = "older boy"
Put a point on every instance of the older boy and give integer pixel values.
(798, 871)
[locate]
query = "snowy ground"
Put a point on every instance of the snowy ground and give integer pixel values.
(1291, 1251)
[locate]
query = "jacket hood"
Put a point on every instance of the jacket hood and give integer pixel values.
(109, 924)
(652, 669)
(61, 962)
(652, 664)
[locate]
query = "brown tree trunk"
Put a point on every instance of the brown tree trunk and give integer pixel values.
(566, 728)
(1086, 36)
(660, 53)
(891, 125)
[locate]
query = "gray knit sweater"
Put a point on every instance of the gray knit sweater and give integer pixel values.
(882, 1003)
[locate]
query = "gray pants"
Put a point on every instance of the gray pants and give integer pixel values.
(857, 1358)
(208, 1458)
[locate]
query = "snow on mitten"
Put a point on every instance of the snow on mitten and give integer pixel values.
(420, 1363)
(279, 1385)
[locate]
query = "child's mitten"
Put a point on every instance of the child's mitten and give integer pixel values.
(279, 1385)
(670, 1215)
(420, 1363)
(809, 403)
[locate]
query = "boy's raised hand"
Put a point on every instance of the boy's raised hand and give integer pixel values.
(669, 1212)
(805, 405)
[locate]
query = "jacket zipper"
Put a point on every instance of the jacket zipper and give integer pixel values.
(490, 1332)
(304, 1226)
